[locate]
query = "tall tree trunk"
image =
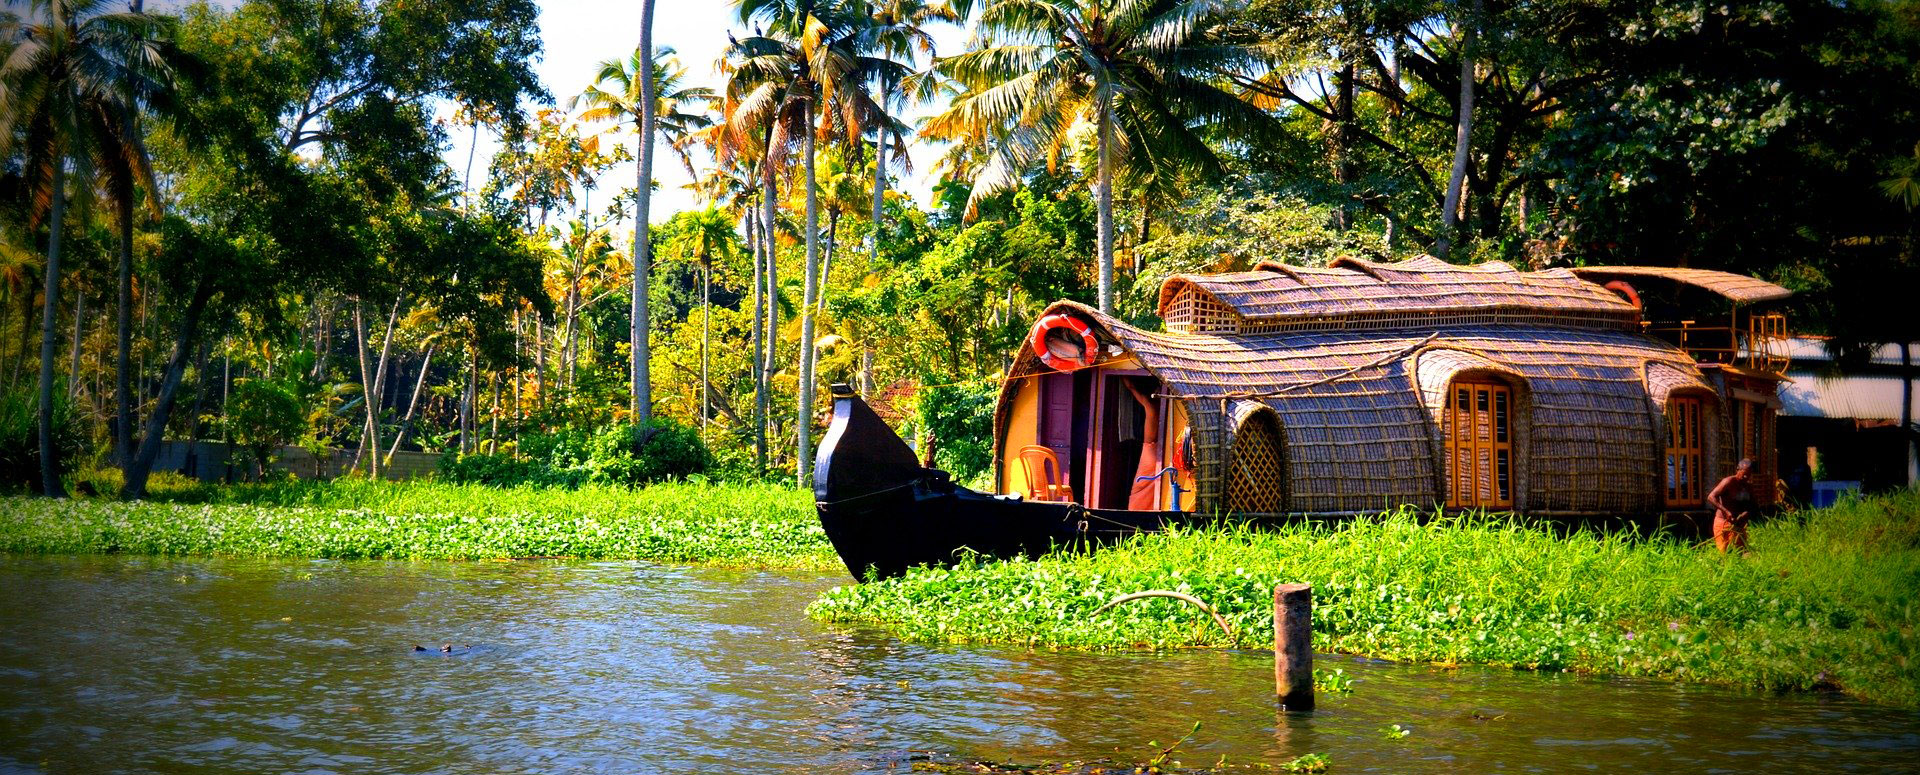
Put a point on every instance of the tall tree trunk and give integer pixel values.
(1103, 192)
(764, 409)
(406, 422)
(519, 377)
(26, 335)
(73, 369)
(323, 343)
(879, 189)
(366, 385)
(642, 387)
(1343, 167)
(706, 335)
(123, 341)
(135, 485)
(804, 428)
(1462, 139)
(826, 262)
(378, 399)
(754, 338)
(570, 348)
(540, 359)
(493, 415)
(200, 389)
(467, 400)
(1392, 76)
(49, 464)
(866, 372)
(466, 179)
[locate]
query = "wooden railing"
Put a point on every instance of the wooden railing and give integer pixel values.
(1760, 345)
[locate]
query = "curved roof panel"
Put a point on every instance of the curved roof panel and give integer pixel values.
(1738, 288)
(1274, 293)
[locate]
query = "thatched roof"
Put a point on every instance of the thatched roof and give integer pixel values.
(1738, 288)
(1359, 410)
(1279, 297)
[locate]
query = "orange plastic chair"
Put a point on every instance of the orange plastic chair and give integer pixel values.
(1044, 477)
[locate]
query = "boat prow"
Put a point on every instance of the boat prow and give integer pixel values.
(885, 513)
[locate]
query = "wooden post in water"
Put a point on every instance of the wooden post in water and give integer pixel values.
(1293, 645)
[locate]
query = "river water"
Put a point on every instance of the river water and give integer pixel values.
(112, 664)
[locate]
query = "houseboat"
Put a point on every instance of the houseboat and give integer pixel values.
(1347, 389)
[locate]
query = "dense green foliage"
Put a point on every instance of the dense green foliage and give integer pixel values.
(761, 526)
(20, 438)
(959, 423)
(622, 455)
(314, 228)
(1825, 599)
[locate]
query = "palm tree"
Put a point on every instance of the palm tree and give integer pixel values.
(706, 236)
(1138, 74)
(805, 77)
(731, 186)
(655, 105)
(898, 34)
(70, 89)
(680, 111)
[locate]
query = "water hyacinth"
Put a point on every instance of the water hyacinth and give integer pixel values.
(1824, 600)
(759, 526)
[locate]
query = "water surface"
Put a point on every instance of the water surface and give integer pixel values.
(112, 664)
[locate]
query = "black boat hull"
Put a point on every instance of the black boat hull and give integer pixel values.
(885, 513)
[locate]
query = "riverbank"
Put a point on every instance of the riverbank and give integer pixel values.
(1826, 599)
(758, 526)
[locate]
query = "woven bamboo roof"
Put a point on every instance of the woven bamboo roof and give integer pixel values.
(1358, 409)
(1275, 292)
(1738, 288)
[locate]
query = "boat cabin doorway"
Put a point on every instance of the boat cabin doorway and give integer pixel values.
(1095, 426)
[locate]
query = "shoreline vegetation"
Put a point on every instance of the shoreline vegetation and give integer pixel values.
(735, 525)
(1825, 600)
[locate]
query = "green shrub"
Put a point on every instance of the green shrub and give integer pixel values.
(619, 455)
(261, 416)
(960, 420)
(624, 454)
(494, 470)
(20, 438)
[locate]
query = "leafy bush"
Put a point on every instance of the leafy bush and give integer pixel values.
(261, 416)
(494, 470)
(625, 454)
(618, 455)
(20, 438)
(959, 418)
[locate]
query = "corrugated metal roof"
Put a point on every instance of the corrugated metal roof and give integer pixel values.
(1858, 397)
(1739, 288)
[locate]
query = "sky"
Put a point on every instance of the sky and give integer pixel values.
(580, 34)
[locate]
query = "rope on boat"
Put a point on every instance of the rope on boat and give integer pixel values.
(1182, 596)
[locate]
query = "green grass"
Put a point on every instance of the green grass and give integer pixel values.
(760, 526)
(1827, 598)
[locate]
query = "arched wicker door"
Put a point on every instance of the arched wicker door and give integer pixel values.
(1256, 468)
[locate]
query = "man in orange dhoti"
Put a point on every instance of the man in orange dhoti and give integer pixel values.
(1146, 491)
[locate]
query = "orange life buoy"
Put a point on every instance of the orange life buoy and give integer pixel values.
(1621, 287)
(1058, 352)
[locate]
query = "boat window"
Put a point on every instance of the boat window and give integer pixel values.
(1480, 446)
(1685, 457)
